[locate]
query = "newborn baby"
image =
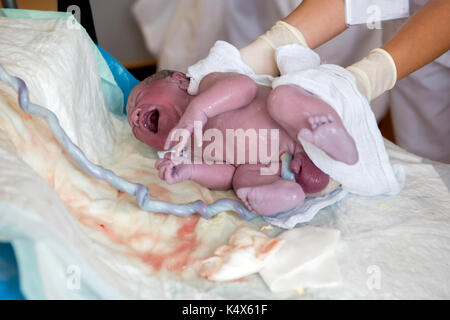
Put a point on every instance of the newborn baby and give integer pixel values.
(161, 104)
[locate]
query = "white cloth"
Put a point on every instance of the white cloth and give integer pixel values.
(307, 210)
(372, 174)
(305, 260)
(223, 57)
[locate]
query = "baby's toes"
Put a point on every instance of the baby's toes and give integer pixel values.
(306, 134)
(330, 118)
(312, 122)
(242, 193)
(323, 120)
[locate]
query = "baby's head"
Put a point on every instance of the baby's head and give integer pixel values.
(155, 106)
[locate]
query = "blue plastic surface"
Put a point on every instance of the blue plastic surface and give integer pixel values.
(9, 276)
(125, 80)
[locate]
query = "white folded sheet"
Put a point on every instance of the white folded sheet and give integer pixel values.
(305, 260)
(373, 174)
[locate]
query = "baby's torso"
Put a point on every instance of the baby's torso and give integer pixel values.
(246, 135)
(250, 135)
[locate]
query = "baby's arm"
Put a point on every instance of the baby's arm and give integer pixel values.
(222, 92)
(214, 176)
(218, 93)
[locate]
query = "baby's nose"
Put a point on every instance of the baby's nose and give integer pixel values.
(135, 116)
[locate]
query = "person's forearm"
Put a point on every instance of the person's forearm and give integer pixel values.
(318, 20)
(422, 39)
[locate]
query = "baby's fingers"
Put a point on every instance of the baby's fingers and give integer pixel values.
(164, 168)
(168, 175)
(180, 135)
(161, 172)
(160, 163)
(170, 140)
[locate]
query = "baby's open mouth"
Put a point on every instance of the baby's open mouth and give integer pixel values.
(151, 120)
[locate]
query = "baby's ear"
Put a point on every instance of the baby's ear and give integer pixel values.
(182, 79)
(131, 101)
(178, 75)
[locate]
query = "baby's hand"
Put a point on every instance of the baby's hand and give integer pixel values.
(179, 136)
(172, 173)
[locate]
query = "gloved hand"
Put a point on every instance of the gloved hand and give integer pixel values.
(375, 74)
(260, 54)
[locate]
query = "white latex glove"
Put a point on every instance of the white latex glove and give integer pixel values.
(260, 54)
(375, 74)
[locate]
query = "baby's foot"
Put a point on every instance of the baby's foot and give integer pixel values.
(330, 135)
(272, 198)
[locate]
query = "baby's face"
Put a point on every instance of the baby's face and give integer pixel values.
(156, 108)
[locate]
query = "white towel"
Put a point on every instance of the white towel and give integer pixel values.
(223, 57)
(306, 259)
(372, 174)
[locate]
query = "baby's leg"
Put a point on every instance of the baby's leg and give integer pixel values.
(265, 194)
(303, 115)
